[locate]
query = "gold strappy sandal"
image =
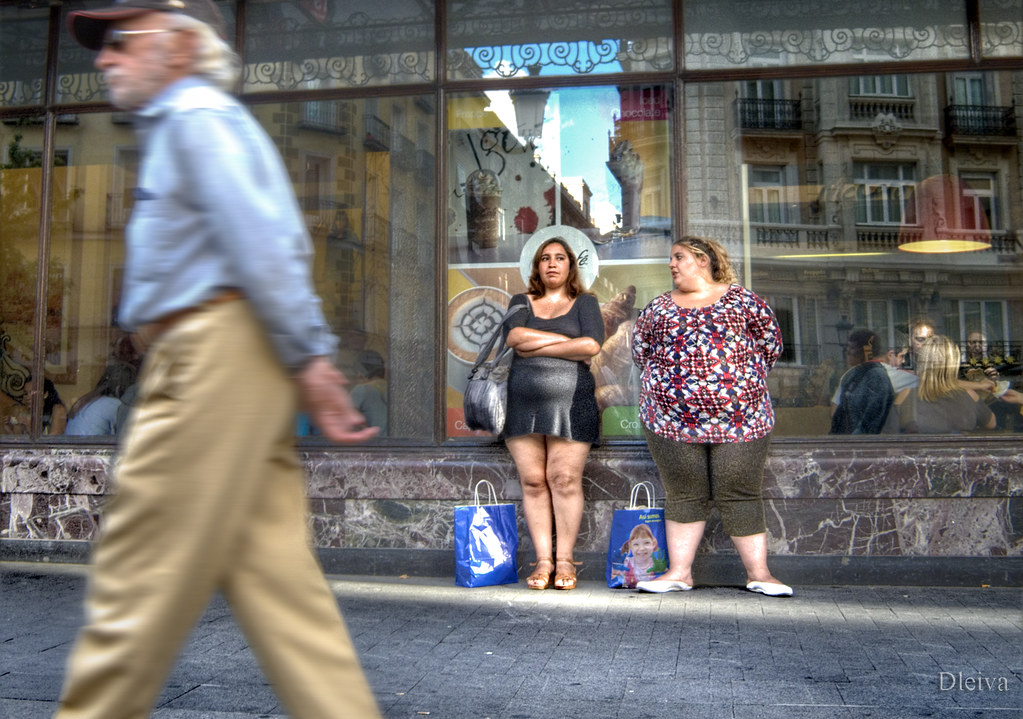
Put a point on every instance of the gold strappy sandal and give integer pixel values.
(565, 577)
(541, 576)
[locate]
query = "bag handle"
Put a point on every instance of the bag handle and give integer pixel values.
(634, 497)
(491, 494)
(485, 352)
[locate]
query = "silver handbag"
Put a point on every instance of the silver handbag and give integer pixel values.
(485, 401)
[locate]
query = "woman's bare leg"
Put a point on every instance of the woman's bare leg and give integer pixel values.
(530, 455)
(683, 541)
(566, 460)
(753, 552)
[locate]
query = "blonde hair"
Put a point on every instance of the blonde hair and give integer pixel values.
(214, 60)
(720, 266)
(938, 368)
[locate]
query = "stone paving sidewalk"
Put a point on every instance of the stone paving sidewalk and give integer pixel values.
(431, 649)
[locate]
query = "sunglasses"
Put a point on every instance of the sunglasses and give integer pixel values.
(116, 39)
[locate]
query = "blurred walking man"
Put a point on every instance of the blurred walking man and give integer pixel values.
(210, 492)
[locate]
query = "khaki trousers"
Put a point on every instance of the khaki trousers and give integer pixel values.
(210, 495)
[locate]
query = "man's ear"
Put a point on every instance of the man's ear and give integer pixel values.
(182, 50)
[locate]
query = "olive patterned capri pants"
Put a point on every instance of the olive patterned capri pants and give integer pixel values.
(729, 476)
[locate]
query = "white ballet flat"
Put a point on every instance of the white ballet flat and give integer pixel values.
(659, 586)
(771, 589)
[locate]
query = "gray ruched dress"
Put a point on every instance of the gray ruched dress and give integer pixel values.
(549, 395)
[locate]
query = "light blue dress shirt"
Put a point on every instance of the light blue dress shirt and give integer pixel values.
(215, 209)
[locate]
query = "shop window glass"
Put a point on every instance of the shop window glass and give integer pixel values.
(590, 165)
(366, 189)
(497, 39)
(310, 45)
(834, 263)
(22, 54)
(21, 197)
(1001, 28)
(91, 362)
(729, 33)
(20, 186)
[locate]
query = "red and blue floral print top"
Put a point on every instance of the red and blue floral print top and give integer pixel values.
(704, 370)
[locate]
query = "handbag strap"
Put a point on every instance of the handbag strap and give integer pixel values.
(491, 494)
(485, 352)
(634, 497)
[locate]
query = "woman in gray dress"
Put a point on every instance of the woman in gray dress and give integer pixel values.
(552, 415)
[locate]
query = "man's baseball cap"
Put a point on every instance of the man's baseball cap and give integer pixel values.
(89, 27)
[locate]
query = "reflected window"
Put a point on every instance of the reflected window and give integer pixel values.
(979, 202)
(369, 213)
(767, 195)
(881, 85)
(823, 243)
(888, 317)
(969, 89)
(990, 319)
(589, 165)
(884, 193)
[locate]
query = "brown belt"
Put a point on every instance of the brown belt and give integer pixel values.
(147, 334)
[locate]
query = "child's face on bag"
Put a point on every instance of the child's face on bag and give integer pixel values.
(642, 547)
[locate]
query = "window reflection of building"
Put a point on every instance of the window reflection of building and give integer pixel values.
(834, 163)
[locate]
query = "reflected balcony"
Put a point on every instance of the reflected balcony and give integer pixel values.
(867, 108)
(756, 114)
(795, 237)
(888, 239)
(324, 116)
(376, 135)
(980, 124)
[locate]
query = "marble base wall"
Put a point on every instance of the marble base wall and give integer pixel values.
(861, 499)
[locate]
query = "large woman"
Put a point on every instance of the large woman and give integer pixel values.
(941, 404)
(552, 418)
(704, 350)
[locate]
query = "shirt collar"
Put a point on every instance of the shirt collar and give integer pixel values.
(166, 99)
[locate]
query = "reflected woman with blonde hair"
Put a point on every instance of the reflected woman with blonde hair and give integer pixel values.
(940, 404)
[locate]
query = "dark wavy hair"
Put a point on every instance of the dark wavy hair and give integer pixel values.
(574, 283)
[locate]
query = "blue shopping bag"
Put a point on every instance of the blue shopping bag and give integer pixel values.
(486, 541)
(638, 547)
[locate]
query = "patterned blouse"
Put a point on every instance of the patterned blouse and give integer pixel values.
(704, 370)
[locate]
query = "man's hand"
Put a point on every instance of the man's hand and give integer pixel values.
(325, 399)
